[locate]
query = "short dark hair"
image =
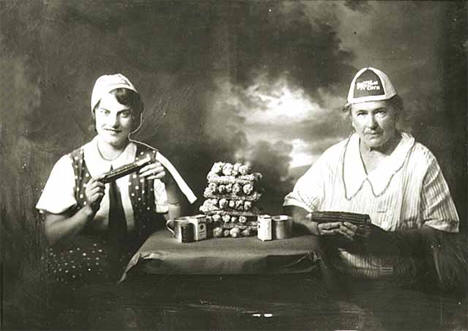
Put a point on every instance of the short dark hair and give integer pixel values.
(396, 102)
(127, 98)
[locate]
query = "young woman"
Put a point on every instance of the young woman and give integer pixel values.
(93, 227)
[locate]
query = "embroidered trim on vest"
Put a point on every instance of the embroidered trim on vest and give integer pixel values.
(141, 191)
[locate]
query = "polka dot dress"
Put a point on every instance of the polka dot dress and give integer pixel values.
(90, 257)
(78, 263)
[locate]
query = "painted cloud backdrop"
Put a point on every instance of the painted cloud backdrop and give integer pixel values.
(262, 81)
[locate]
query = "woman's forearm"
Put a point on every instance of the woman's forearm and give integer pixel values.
(301, 220)
(176, 200)
(401, 243)
(175, 211)
(61, 227)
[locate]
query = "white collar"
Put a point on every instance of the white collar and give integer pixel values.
(97, 165)
(354, 173)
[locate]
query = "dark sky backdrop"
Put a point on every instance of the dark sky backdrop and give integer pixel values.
(261, 81)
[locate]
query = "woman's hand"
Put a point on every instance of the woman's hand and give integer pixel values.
(62, 227)
(94, 193)
(328, 229)
(152, 171)
(353, 232)
(345, 229)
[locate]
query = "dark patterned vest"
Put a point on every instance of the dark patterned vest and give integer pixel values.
(141, 193)
(89, 257)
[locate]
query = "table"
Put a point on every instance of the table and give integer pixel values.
(268, 292)
(162, 254)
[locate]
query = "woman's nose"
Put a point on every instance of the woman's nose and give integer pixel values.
(371, 122)
(113, 120)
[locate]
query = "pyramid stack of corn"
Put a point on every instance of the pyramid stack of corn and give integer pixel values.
(231, 200)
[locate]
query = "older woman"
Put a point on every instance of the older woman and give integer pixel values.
(93, 226)
(379, 171)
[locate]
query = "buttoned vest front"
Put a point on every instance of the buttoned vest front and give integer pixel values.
(141, 192)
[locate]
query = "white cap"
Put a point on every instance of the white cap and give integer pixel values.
(107, 83)
(370, 84)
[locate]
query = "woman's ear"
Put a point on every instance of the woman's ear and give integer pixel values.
(402, 122)
(349, 117)
(92, 125)
(137, 121)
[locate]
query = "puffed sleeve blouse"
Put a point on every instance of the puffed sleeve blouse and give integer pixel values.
(58, 194)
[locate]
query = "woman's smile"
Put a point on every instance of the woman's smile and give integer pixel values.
(374, 122)
(113, 121)
(373, 134)
(112, 131)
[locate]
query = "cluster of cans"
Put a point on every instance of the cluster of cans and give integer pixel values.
(200, 227)
(274, 227)
(190, 228)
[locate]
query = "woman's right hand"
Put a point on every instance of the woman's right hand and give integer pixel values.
(322, 229)
(329, 229)
(94, 193)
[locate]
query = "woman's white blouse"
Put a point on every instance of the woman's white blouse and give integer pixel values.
(407, 190)
(59, 192)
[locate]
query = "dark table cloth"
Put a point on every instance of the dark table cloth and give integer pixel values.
(162, 254)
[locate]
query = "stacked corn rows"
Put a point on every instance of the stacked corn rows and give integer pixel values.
(231, 197)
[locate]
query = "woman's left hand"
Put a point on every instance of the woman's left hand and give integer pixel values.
(153, 171)
(367, 231)
(348, 230)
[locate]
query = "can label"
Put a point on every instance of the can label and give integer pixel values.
(199, 226)
(186, 232)
(264, 228)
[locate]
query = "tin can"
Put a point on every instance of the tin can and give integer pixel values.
(264, 227)
(199, 226)
(186, 232)
(281, 227)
